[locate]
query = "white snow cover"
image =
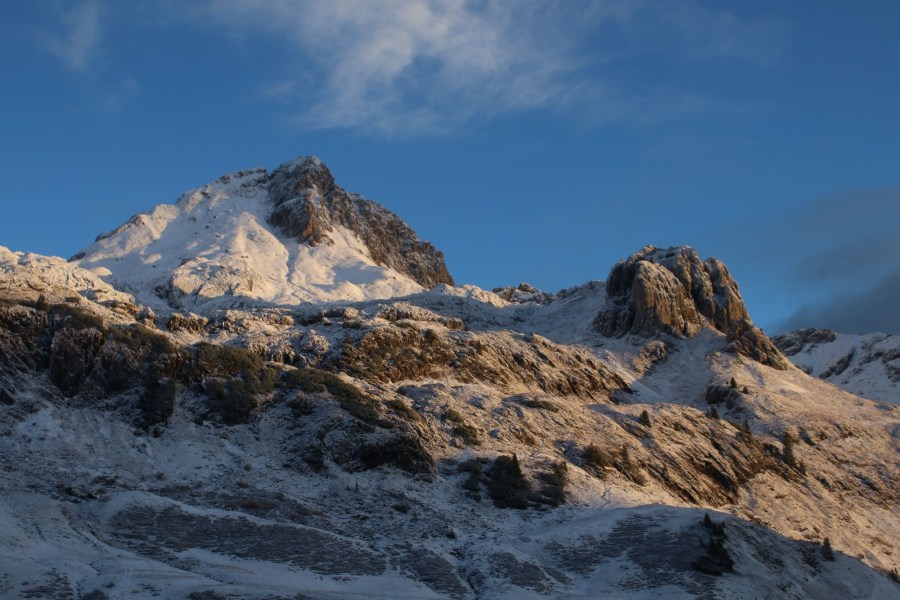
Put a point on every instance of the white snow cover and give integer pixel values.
(215, 247)
(90, 506)
(24, 273)
(866, 365)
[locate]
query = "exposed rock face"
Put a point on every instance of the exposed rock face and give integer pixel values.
(187, 322)
(673, 291)
(72, 357)
(793, 342)
(407, 351)
(745, 339)
(308, 204)
(645, 298)
(524, 294)
(670, 290)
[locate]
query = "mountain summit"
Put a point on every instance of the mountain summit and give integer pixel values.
(244, 397)
(287, 236)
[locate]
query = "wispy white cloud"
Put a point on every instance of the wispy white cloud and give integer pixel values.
(430, 66)
(76, 36)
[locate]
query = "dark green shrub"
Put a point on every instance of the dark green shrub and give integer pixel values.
(225, 361)
(554, 489)
(348, 396)
(539, 404)
(402, 451)
(507, 485)
(645, 418)
(467, 433)
(629, 468)
(300, 407)
(157, 401)
(827, 550)
(596, 457)
(230, 399)
(472, 484)
(790, 459)
(716, 559)
(70, 315)
(233, 378)
(404, 410)
(137, 337)
(453, 415)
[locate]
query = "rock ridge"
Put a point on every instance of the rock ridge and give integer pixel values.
(309, 204)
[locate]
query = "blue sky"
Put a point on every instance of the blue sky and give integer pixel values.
(530, 141)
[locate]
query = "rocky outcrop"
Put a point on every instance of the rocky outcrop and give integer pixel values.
(673, 291)
(793, 342)
(646, 298)
(524, 294)
(670, 290)
(72, 355)
(187, 322)
(309, 204)
(866, 365)
(410, 351)
(745, 339)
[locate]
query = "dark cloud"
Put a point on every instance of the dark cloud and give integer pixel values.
(852, 234)
(870, 255)
(836, 256)
(875, 309)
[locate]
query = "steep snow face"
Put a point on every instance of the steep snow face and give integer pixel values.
(219, 246)
(865, 365)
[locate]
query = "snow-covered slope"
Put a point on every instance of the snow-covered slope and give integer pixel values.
(865, 365)
(286, 237)
(311, 434)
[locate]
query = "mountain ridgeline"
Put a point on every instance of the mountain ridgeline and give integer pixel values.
(286, 237)
(274, 389)
(308, 205)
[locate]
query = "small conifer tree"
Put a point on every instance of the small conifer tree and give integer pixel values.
(645, 418)
(790, 459)
(827, 550)
(733, 382)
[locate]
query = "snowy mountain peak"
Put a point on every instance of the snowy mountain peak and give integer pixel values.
(287, 236)
(309, 205)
